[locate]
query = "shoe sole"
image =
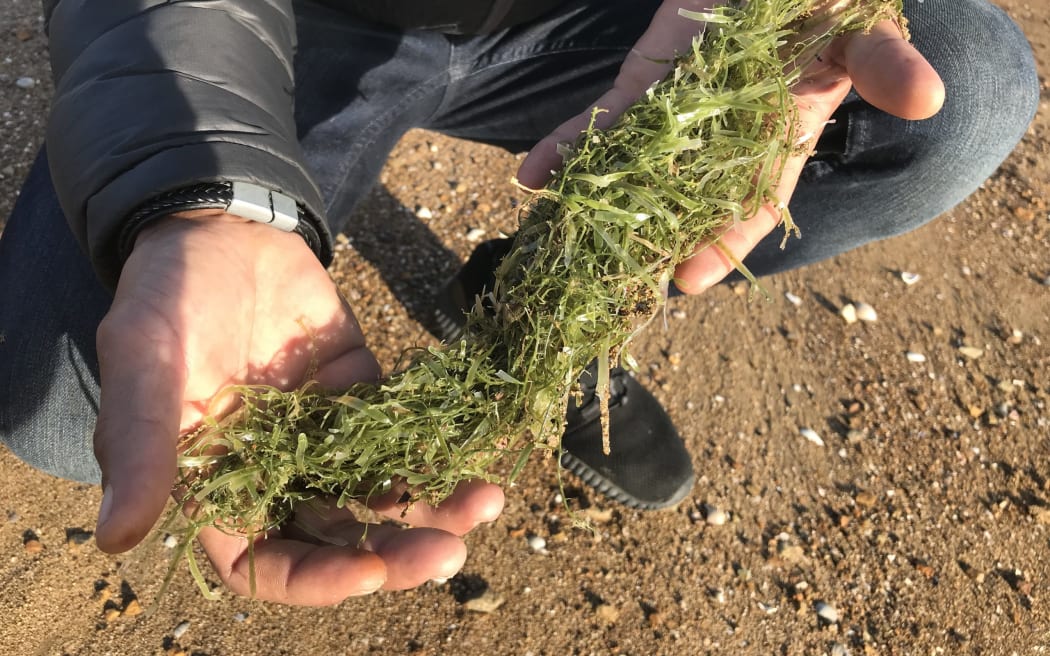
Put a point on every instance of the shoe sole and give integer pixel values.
(607, 488)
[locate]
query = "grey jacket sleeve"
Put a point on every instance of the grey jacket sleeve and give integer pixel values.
(153, 96)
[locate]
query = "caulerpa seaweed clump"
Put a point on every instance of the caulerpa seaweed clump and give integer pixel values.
(589, 267)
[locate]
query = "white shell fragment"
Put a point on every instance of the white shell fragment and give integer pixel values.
(971, 352)
(180, 630)
(866, 313)
(849, 313)
(794, 300)
(910, 278)
(827, 612)
(714, 515)
(475, 235)
(424, 212)
(812, 436)
(915, 357)
(25, 83)
(537, 544)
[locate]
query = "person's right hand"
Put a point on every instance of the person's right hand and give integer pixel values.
(207, 300)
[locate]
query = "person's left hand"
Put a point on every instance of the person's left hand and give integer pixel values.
(881, 65)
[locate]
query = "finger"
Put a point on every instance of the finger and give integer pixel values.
(891, 74)
(412, 556)
(142, 379)
(648, 62)
(473, 503)
(817, 100)
(544, 159)
(356, 365)
(292, 571)
(711, 264)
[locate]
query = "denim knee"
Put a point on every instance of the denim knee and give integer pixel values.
(991, 97)
(50, 305)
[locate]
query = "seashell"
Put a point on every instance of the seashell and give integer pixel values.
(910, 278)
(915, 357)
(866, 313)
(971, 352)
(714, 515)
(794, 300)
(849, 313)
(812, 436)
(827, 612)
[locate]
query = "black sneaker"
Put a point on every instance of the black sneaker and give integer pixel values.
(647, 467)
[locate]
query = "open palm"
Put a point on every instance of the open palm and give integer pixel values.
(206, 301)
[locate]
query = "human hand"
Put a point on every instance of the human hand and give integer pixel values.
(206, 301)
(881, 65)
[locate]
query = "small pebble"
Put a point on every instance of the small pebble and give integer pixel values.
(180, 630)
(794, 300)
(910, 278)
(25, 83)
(812, 436)
(849, 313)
(839, 649)
(1016, 337)
(827, 612)
(423, 212)
(537, 543)
(915, 357)
(170, 541)
(971, 352)
(607, 613)
(475, 235)
(12, 516)
(488, 602)
(866, 499)
(240, 617)
(33, 546)
(866, 313)
(678, 314)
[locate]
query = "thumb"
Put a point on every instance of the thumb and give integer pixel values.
(142, 379)
(891, 74)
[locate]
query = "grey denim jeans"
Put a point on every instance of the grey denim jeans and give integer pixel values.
(361, 87)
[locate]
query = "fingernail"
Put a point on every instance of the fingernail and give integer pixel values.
(107, 505)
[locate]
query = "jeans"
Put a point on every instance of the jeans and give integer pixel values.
(360, 88)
